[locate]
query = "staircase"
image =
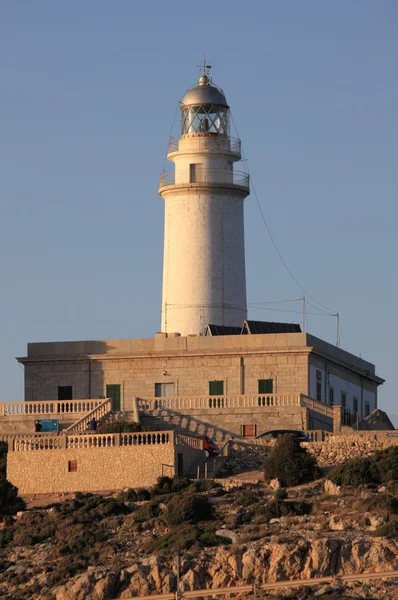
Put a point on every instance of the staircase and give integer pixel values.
(98, 413)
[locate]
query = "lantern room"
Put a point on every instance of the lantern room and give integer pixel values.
(204, 110)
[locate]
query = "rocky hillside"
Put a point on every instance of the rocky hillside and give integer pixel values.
(228, 533)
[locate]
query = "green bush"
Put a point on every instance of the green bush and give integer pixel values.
(10, 502)
(187, 509)
(122, 427)
(277, 509)
(176, 540)
(389, 530)
(6, 536)
(3, 459)
(131, 495)
(170, 485)
(280, 494)
(290, 463)
(204, 485)
(381, 467)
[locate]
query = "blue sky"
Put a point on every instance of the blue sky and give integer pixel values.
(88, 93)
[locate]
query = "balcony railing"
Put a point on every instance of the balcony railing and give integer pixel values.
(48, 407)
(207, 142)
(210, 402)
(211, 176)
(252, 401)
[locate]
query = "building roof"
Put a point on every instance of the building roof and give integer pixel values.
(204, 93)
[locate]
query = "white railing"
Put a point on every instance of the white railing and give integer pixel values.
(37, 443)
(188, 440)
(212, 143)
(316, 406)
(96, 413)
(48, 407)
(93, 440)
(205, 176)
(214, 402)
(147, 439)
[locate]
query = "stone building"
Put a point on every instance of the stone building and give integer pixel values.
(237, 384)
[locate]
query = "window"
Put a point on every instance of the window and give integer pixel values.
(367, 409)
(216, 388)
(343, 399)
(192, 173)
(64, 392)
(248, 430)
(355, 405)
(331, 396)
(72, 466)
(164, 390)
(265, 386)
(319, 385)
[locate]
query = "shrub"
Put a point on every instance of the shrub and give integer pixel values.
(131, 495)
(6, 536)
(290, 463)
(205, 485)
(209, 538)
(246, 499)
(280, 494)
(381, 467)
(122, 427)
(389, 530)
(386, 463)
(177, 540)
(147, 511)
(277, 509)
(10, 502)
(3, 459)
(168, 485)
(187, 509)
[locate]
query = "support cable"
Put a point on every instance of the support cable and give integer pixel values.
(271, 236)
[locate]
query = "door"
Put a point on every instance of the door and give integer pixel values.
(180, 464)
(113, 392)
(249, 430)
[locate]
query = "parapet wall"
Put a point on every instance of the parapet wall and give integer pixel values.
(91, 463)
(339, 448)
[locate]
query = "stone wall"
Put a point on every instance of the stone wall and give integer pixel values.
(39, 471)
(339, 448)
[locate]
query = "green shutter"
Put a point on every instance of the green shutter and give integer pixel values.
(216, 388)
(265, 386)
(113, 391)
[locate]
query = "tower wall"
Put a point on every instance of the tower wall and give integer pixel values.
(204, 263)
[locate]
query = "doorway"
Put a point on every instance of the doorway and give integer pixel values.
(113, 392)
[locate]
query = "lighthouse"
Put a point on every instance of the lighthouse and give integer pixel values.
(204, 279)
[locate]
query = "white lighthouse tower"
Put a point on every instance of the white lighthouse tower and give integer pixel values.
(204, 278)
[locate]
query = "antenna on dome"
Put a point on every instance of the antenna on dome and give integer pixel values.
(204, 68)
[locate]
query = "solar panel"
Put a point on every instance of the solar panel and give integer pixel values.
(254, 327)
(224, 330)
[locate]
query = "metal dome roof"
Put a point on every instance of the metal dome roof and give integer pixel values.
(204, 93)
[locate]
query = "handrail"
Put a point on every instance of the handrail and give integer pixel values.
(206, 142)
(96, 413)
(207, 176)
(316, 406)
(47, 407)
(214, 402)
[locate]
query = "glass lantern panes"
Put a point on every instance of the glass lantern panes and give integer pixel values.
(205, 119)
